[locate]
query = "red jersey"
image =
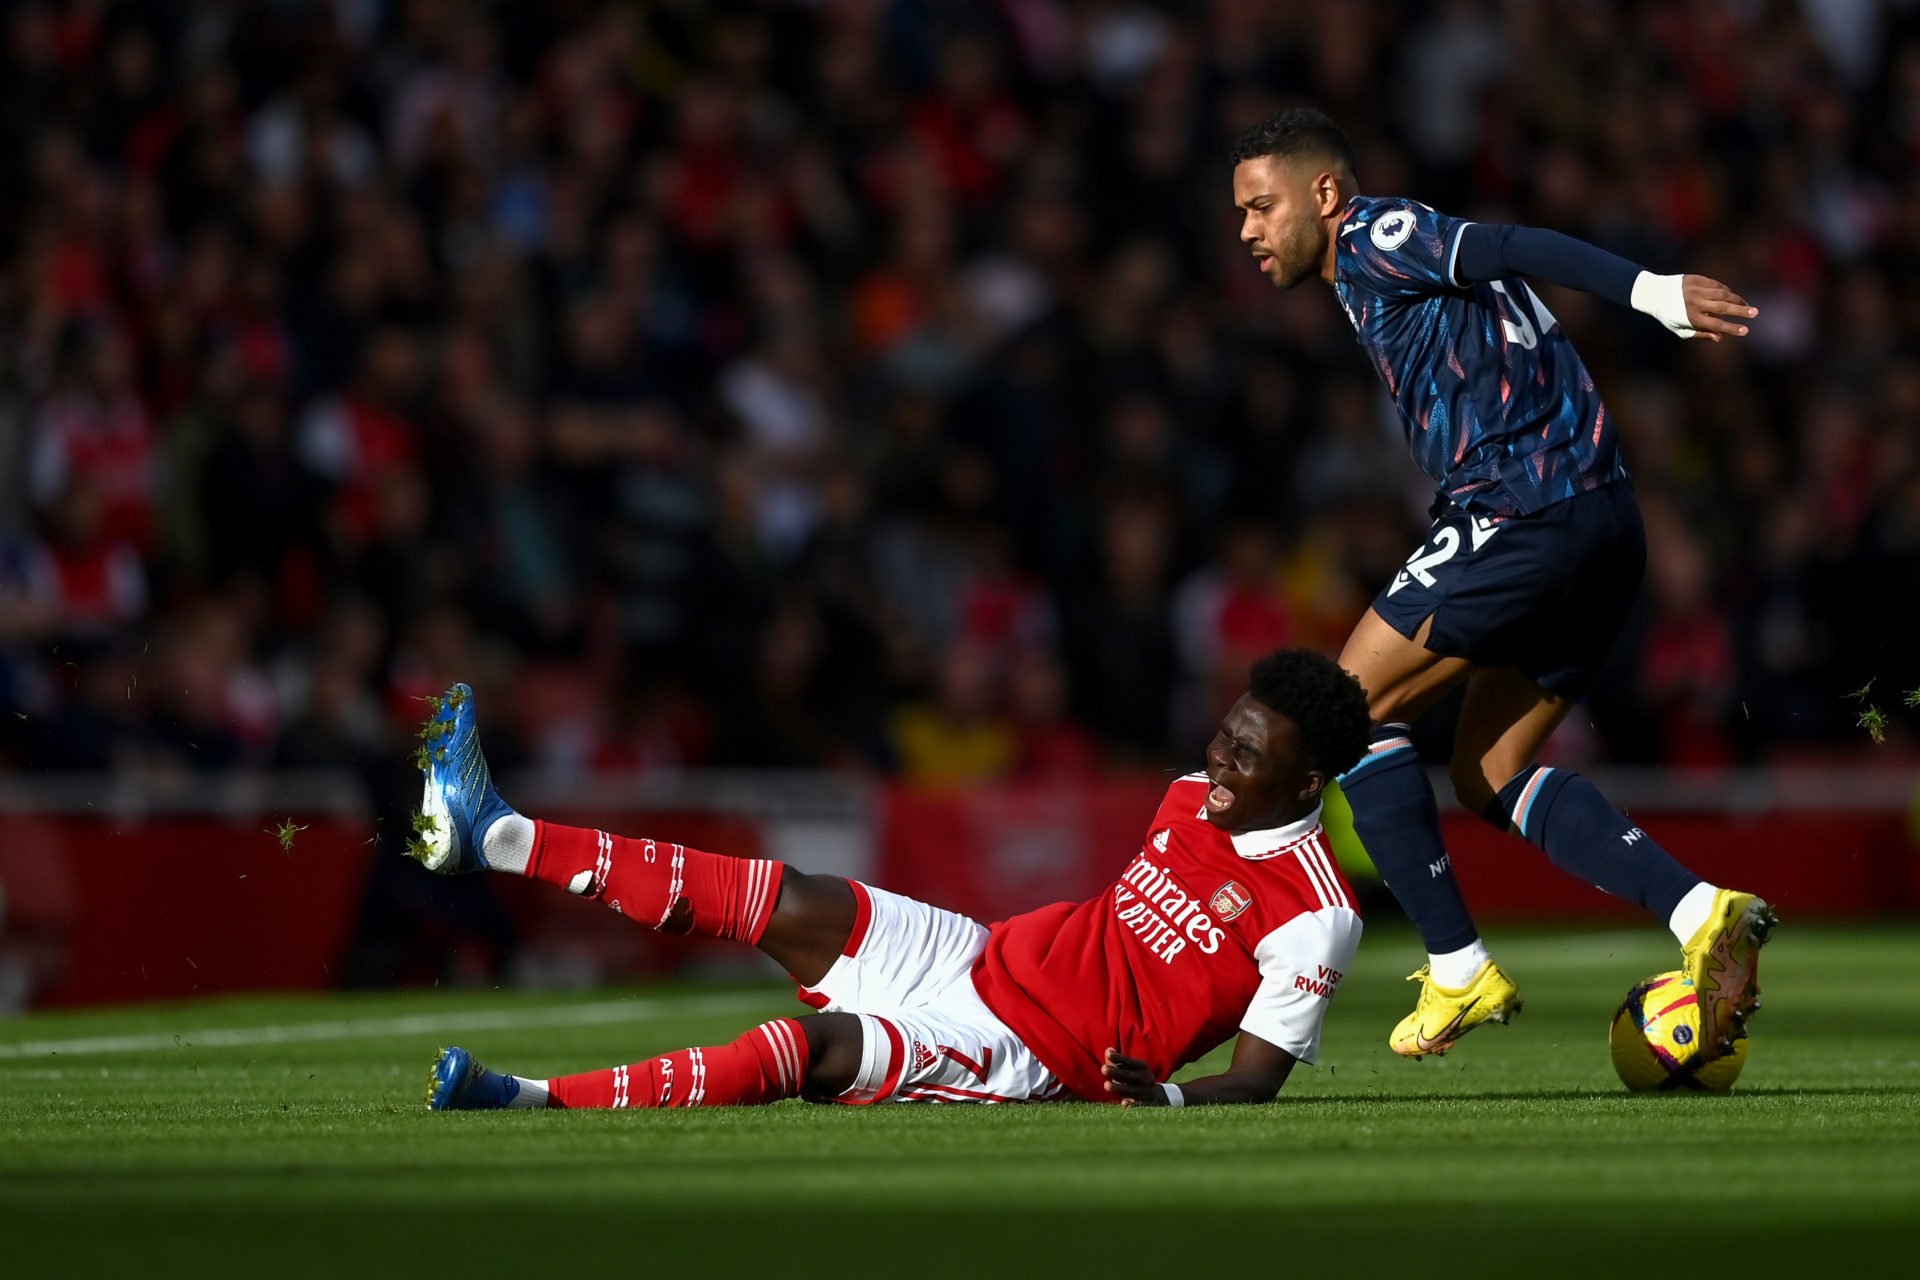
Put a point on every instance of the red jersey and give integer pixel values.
(1203, 935)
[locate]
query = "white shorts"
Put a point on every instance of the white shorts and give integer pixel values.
(907, 972)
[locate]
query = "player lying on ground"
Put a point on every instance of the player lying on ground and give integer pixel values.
(1232, 916)
(1533, 561)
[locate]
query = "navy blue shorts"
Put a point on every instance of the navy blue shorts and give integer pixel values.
(1546, 593)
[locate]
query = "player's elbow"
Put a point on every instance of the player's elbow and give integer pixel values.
(1264, 1090)
(1258, 1086)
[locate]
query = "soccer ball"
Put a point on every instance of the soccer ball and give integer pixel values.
(1655, 1040)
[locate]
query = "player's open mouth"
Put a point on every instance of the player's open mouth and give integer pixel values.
(1219, 799)
(1265, 260)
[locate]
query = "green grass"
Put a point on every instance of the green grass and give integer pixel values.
(1519, 1154)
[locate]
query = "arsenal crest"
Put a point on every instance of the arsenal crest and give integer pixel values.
(1229, 900)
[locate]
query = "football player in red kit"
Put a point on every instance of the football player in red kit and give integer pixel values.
(1231, 918)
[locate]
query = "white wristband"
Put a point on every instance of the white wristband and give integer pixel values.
(1175, 1098)
(1663, 298)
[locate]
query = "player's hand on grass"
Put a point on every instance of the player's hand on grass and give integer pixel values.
(1714, 310)
(1129, 1080)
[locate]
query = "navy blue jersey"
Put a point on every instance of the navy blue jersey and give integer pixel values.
(1497, 406)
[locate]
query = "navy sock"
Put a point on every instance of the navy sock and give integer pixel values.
(1395, 816)
(1565, 815)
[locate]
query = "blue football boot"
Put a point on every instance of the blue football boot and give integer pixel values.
(458, 1082)
(460, 804)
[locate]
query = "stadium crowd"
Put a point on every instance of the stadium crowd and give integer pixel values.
(879, 384)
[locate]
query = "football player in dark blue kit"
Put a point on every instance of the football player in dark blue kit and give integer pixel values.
(1535, 556)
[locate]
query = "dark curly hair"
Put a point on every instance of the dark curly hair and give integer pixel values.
(1297, 131)
(1326, 705)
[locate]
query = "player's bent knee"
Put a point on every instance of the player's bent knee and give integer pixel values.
(1387, 699)
(802, 895)
(794, 881)
(1401, 702)
(835, 1048)
(1403, 678)
(1471, 786)
(1389, 707)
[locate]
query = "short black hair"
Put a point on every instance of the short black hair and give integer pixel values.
(1326, 705)
(1296, 131)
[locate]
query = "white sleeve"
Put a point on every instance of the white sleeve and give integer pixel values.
(1453, 256)
(1665, 299)
(1301, 965)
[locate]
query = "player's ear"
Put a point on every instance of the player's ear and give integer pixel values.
(1316, 782)
(1326, 193)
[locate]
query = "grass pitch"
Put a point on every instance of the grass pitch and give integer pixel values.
(288, 1136)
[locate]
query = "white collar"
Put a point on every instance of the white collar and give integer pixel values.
(1257, 845)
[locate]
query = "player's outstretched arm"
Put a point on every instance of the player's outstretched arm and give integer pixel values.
(1691, 306)
(1256, 1073)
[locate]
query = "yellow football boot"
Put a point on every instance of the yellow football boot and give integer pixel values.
(1444, 1015)
(1722, 960)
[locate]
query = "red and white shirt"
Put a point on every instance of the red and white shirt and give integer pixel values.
(1204, 934)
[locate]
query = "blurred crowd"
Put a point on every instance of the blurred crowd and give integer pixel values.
(879, 384)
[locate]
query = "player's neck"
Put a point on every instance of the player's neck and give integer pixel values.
(1348, 191)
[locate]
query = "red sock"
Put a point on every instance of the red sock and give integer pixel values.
(765, 1065)
(731, 897)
